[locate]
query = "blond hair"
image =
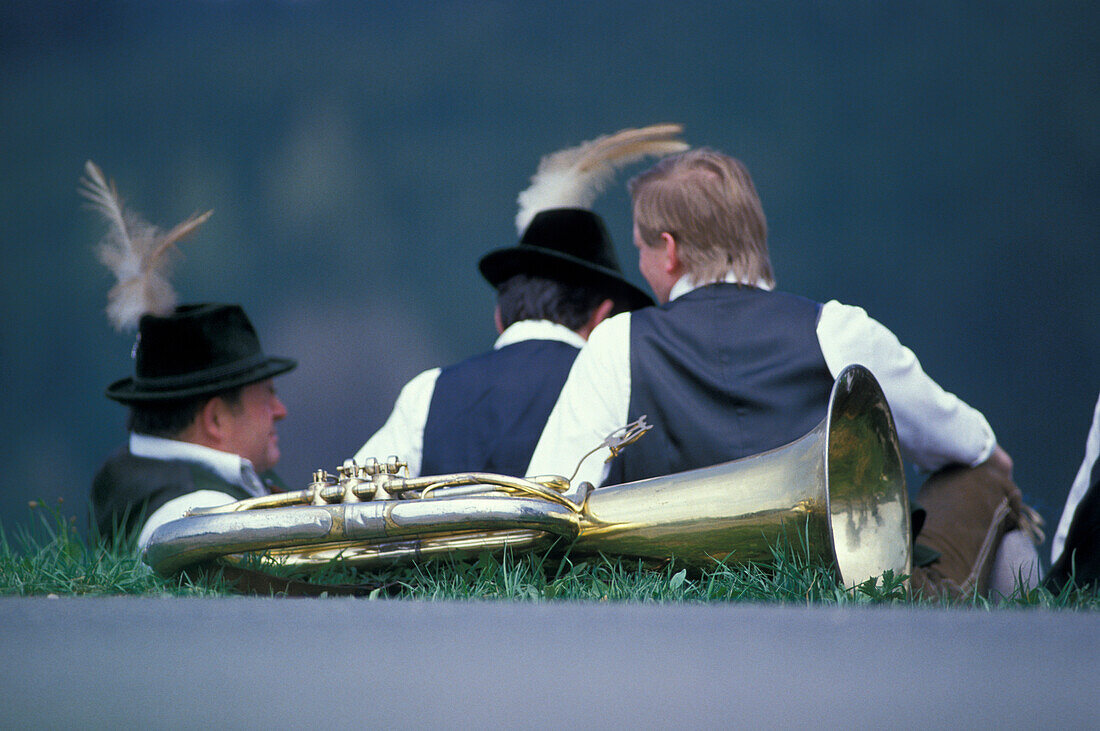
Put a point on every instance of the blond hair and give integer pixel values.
(706, 201)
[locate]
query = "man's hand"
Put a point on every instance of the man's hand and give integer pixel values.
(1000, 461)
(1027, 520)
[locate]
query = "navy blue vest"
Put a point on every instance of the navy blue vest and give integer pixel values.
(488, 412)
(722, 372)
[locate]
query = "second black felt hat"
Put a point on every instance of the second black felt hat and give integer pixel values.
(571, 244)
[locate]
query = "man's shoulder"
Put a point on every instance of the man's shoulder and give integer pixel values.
(125, 469)
(506, 355)
(837, 317)
(732, 291)
(420, 387)
(615, 327)
(136, 475)
(128, 487)
(476, 361)
(722, 298)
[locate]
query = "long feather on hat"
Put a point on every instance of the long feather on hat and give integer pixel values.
(574, 177)
(137, 252)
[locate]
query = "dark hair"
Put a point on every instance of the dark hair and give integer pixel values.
(524, 297)
(168, 418)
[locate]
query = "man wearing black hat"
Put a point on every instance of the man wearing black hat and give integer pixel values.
(485, 413)
(203, 411)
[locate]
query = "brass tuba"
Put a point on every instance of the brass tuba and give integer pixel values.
(838, 491)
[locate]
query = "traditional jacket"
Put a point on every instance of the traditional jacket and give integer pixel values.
(128, 489)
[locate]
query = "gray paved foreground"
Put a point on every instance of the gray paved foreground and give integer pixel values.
(246, 663)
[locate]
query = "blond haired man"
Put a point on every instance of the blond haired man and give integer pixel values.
(727, 367)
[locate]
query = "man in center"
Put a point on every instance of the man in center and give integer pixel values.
(727, 367)
(484, 414)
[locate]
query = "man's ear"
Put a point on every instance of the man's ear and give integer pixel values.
(211, 421)
(601, 313)
(498, 320)
(671, 260)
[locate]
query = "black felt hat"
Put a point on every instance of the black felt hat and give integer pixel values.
(567, 243)
(198, 349)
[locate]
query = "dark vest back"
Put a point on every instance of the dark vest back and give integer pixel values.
(128, 489)
(487, 412)
(722, 372)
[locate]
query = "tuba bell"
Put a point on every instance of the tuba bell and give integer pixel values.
(838, 493)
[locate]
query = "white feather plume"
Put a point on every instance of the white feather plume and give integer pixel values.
(573, 178)
(137, 252)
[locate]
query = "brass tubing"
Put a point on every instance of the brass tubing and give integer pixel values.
(549, 487)
(201, 538)
(360, 553)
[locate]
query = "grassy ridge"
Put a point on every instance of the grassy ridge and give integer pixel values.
(48, 557)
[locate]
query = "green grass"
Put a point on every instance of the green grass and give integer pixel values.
(49, 557)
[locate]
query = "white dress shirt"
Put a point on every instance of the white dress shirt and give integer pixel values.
(230, 467)
(935, 428)
(403, 432)
(1080, 485)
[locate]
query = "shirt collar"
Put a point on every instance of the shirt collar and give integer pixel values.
(686, 284)
(517, 332)
(230, 467)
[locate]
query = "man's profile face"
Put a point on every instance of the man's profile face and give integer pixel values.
(651, 265)
(251, 425)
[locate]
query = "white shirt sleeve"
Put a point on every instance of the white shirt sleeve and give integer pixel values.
(594, 402)
(176, 508)
(1080, 486)
(935, 427)
(403, 432)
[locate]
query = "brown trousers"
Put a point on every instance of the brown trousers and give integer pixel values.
(969, 511)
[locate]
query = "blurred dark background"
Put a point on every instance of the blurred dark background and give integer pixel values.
(937, 163)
